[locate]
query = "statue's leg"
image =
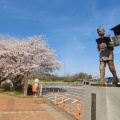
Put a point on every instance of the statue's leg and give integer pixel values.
(102, 71)
(113, 71)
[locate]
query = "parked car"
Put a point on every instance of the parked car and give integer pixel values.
(94, 81)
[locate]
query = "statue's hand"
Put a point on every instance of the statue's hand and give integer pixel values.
(101, 50)
(111, 44)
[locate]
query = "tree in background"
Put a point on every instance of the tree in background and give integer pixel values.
(82, 76)
(19, 58)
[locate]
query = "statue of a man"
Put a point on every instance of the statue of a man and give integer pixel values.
(106, 47)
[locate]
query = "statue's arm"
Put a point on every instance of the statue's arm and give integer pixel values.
(111, 44)
(98, 48)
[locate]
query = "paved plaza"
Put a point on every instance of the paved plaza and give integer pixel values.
(14, 108)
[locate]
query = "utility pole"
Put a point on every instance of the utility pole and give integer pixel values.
(64, 69)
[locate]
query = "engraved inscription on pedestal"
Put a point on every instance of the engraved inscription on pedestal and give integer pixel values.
(93, 106)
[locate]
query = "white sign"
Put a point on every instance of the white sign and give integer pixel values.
(36, 80)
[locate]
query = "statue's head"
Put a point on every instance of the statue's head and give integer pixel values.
(101, 31)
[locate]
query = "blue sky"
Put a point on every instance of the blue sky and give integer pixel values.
(69, 25)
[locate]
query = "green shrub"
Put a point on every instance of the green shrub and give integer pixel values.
(6, 86)
(19, 88)
(30, 90)
(68, 79)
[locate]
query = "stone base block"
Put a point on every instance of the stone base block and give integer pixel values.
(101, 103)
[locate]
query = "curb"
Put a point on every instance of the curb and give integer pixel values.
(62, 111)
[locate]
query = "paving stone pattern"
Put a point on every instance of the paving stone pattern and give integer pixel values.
(13, 108)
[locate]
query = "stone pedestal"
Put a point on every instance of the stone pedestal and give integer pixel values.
(101, 103)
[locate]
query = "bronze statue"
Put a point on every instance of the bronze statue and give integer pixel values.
(106, 48)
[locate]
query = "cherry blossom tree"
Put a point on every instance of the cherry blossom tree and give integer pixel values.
(20, 57)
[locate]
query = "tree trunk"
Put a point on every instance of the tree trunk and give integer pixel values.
(25, 84)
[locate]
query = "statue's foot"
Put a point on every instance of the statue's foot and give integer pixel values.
(116, 80)
(101, 82)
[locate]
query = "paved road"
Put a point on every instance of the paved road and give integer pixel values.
(73, 97)
(71, 93)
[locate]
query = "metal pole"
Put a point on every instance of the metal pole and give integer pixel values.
(64, 69)
(41, 90)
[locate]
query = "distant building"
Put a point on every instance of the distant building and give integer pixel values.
(95, 80)
(109, 80)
